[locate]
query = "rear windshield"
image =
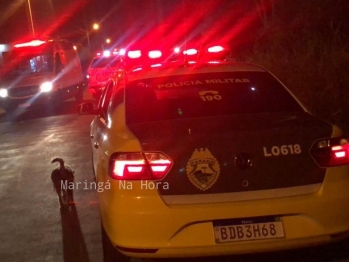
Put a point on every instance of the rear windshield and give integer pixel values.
(203, 95)
(102, 62)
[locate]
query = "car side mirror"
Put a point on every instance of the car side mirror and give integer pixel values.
(87, 109)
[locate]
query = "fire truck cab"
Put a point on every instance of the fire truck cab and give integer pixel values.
(40, 72)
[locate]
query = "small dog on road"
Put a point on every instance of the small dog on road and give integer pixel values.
(61, 178)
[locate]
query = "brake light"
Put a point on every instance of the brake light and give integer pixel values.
(331, 152)
(30, 44)
(139, 166)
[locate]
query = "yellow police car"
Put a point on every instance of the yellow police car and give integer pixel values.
(213, 158)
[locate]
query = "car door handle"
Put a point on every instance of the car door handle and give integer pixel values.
(95, 145)
(92, 136)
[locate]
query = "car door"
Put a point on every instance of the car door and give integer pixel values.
(93, 129)
(100, 127)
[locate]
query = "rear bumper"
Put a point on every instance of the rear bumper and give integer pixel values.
(136, 218)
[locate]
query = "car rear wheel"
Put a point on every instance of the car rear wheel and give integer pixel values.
(110, 253)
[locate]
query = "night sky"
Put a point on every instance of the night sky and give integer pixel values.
(124, 21)
(59, 18)
(120, 20)
(66, 18)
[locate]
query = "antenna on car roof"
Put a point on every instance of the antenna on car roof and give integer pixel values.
(184, 24)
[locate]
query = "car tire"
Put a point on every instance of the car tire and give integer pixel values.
(110, 253)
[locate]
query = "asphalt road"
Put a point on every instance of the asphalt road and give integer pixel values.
(32, 226)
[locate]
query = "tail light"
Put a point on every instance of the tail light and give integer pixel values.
(331, 152)
(139, 166)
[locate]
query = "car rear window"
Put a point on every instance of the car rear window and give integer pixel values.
(203, 95)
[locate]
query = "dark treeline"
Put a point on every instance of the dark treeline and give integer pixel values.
(306, 44)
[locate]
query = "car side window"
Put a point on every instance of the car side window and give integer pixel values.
(118, 95)
(105, 99)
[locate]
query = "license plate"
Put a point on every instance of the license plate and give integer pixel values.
(24, 105)
(248, 229)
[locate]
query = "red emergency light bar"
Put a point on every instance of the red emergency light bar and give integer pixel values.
(190, 55)
(215, 49)
(155, 54)
(108, 53)
(134, 54)
(191, 51)
(32, 43)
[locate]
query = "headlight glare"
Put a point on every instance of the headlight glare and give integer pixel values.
(46, 87)
(3, 92)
